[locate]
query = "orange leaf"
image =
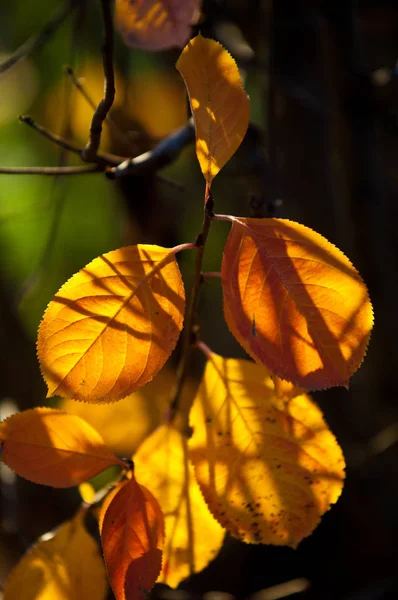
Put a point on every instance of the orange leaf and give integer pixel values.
(192, 536)
(156, 24)
(219, 104)
(132, 534)
(62, 565)
(113, 325)
(267, 469)
(50, 447)
(286, 389)
(295, 302)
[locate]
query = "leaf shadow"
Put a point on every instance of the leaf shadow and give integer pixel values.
(280, 274)
(139, 296)
(257, 478)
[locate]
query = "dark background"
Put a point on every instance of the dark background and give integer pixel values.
(322, 149)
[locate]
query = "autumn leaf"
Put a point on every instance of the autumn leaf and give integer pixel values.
(286, 389)
(295, 302)
(62, 565)
(219, 104)
(121, 432)
(132, 532)
(192, 536)
(113, 325)
(267, 469)
(156, 24)
(50, 447)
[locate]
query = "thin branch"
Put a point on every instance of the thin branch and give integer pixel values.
(162, 155)
(103, 158)
(191, 328)
(89, 154)
(56, 139)
(51, 171)
(117, 132)
(37, 40)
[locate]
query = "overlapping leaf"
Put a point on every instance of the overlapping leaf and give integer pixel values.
(156, 24)
(295, 302)
(61, 566)
(219, 104)
(267, 469)
(132, 532)
(50, 447)
(122, 433)
(192, 536)
(113, 325)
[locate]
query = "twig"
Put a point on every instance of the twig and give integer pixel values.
(191, 328)
(37, 40)
(161, 156)
(121, 136)
(102, 158)
(56, 139)
(89, 154)
(51, 171)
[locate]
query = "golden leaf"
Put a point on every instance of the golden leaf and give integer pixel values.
(267, 469)
(61, 566)
(113, 325)
(50, 447)
(122, 433)
(295, 302)
(219, 104)
(132, 532)
(192, 536)
(156, 24)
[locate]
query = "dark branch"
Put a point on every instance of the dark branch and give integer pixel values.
(89, 154)
(162, 155)
(51, 170)
(37, 40)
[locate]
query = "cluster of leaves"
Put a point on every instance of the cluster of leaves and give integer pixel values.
(257, 459)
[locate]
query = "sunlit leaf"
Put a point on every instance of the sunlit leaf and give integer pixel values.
(113, 325)
(122, 433)
(132, 532)
(156, 24)
(50, 447)
(219, 104)
(286, 389)
(295, 302)
(60, 566)
(192, 536)
(267, 469)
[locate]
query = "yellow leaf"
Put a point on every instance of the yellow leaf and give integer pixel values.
(295, 302)
(192, 536)
(156, 24)
(113, 325)
(61, 566)
(122, 433)
(219, 104)
(286, 389)
(50, 447)
(267, 469)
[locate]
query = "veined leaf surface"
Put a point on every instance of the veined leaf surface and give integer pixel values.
(219, 104)
(132, 532)
(156, 24)
(295, 302)
(192, 535)
(60, 566)
(113, 325)
(267, 469)
(51, 447)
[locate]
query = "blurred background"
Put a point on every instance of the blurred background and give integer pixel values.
(322, 149)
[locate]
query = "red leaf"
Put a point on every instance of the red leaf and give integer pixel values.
(132, 534)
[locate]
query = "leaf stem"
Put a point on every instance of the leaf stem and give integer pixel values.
(191, 328)
(204, 348)
(187, 246)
